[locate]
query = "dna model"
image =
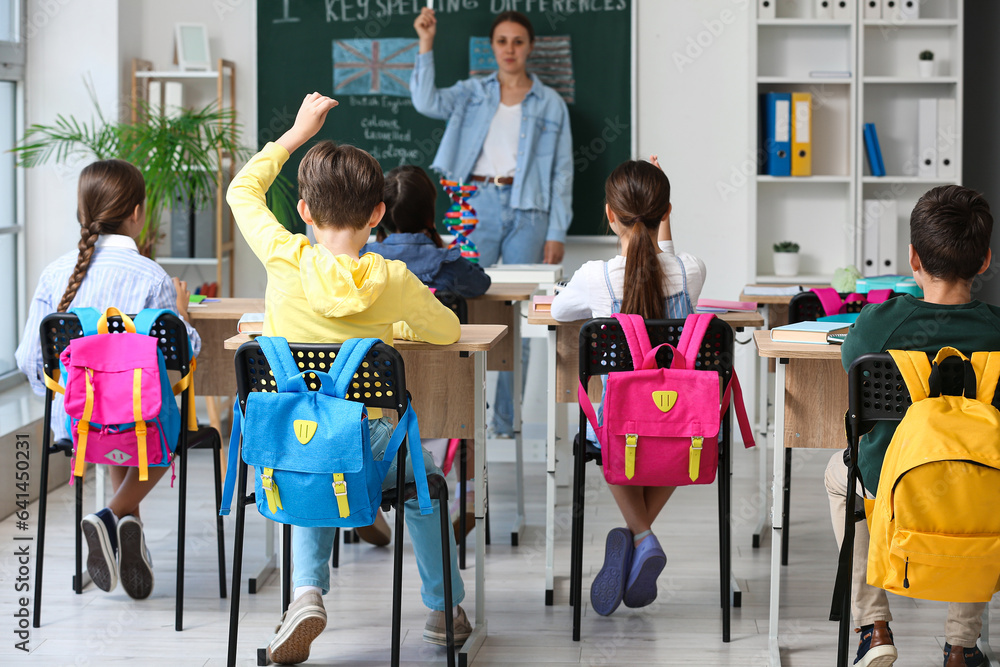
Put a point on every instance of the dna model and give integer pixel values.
(460, 218)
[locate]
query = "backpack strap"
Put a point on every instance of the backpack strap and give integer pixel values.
(636, 336)
(88, 318)
(352, 354)
(878, 295)
(102, 322)
(741, 410)
(987, 365)
(916, 371)
(279, 358)
(410, 429)
(231, 468)
(829, 298)
(144, 322)
(695, 327)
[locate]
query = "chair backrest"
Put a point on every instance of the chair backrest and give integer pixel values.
(604, 349)
(806, 306)
(379, 383)
(456, 303)
(58, 329)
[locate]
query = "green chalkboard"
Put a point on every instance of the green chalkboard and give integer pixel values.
(298, 42)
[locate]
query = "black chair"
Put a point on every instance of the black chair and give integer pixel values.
(805, 307)
(57, 330)
(603, 350)
(386, 366)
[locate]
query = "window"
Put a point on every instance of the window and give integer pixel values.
(12, 284)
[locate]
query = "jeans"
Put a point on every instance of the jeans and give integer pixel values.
(313, 547)
(519, 237)
(868, 603)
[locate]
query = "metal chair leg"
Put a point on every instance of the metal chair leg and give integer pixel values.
(220, 531)
(335, 560)
(397, 556)
(446, 532)
(43, 499)
(786, 512)
(181, 530)
(462, 515)
(234, 604)
(286, 566)
(78, 577)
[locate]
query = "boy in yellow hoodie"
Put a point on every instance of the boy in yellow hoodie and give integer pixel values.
(325, 293)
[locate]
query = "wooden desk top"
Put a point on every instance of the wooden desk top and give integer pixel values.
(226, 309)
(508, 292)
(475, 338)
(768, 348)
(762, 299)
(741, 319)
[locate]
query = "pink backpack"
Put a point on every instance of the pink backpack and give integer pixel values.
(118, 398)
(833, 304)
(661, 425)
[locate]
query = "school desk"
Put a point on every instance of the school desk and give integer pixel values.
(447, 384)
(774, 310)
(563, 379)
(809, 406)
(501, 305)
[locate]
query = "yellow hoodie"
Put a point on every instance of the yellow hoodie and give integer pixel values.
(314, 296)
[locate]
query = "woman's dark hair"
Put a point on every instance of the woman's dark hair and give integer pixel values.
(513, 17)
(409, 197)
(107, 195)
(950, 230)
(639, 195)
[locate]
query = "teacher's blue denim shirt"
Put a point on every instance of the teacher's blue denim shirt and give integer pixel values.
(441, 268)
(544, 176)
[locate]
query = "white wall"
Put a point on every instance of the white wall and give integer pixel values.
(66, 42)
(692, 105)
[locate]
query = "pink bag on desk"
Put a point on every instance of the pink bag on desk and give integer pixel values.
(661, 425)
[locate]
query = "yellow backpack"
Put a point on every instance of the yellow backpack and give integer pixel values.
(935, 524)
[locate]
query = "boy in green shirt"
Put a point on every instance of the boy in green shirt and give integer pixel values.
(950, 230)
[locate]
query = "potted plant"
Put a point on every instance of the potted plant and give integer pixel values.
(786, 258)
(926, 64)
(176, 153)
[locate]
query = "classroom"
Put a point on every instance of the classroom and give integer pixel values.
(410, 230)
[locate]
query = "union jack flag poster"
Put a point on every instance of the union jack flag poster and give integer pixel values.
(373, 66)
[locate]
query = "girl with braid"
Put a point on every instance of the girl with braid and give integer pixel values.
(107, 270)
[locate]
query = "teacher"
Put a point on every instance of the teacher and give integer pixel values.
(509, 134)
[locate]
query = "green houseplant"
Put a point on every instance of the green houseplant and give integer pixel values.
(786, 258)
(177, 154)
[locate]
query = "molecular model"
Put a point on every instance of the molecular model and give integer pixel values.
(460, 219)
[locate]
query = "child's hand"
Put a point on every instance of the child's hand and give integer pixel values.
(656, 163)
(183, 297)
(308, 121)
(426, 27)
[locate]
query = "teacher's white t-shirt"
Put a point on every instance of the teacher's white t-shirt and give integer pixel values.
(499, 154)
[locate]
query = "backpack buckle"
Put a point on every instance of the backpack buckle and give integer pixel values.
(340, 488)
(267, 482)
(631, 439)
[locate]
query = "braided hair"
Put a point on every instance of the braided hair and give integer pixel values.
(108, 193)
(639, 194)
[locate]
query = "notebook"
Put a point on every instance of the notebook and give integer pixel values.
(807, 332)
(769, 290)
(542, 303)
(717, 306)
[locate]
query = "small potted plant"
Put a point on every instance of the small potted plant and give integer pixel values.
(786, 258)
(926, 64)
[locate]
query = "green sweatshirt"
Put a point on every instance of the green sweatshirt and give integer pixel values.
(906, 323)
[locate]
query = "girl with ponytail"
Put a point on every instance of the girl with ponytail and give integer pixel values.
(651, 280)
(107, 270)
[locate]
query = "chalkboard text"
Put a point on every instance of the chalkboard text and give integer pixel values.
(346, 11)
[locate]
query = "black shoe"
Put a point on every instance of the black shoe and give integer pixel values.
(134, 564)
(102, 543)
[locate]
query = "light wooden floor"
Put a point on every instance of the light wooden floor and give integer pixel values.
(683, 627)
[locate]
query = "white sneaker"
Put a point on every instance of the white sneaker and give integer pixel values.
(135, 566)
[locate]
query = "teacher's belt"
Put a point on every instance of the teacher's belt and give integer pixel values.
(495, 180)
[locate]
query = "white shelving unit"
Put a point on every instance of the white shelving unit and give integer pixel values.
(823, 212)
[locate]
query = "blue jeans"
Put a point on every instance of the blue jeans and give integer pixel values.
(519, 237)
(313, 547)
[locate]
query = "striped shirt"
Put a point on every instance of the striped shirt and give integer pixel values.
(118, 276)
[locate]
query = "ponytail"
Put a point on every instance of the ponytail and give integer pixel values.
(639, 195)
(643, 293)
(108, 193)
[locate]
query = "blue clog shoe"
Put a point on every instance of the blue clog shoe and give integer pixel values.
(609, 584)
(647, 563)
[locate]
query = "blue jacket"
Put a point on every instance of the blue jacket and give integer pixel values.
(441, 268)
(544, 176)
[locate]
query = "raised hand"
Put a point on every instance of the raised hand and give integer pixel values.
(308, 121)
(426, 27)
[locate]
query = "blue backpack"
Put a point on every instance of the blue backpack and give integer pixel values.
(311, 450)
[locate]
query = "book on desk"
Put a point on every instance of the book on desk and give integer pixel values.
(808, 332)
(251, 324)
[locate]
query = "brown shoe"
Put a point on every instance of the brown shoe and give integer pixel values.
(470, 519)
(300, 625)
(378, 533)
(875, 648)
